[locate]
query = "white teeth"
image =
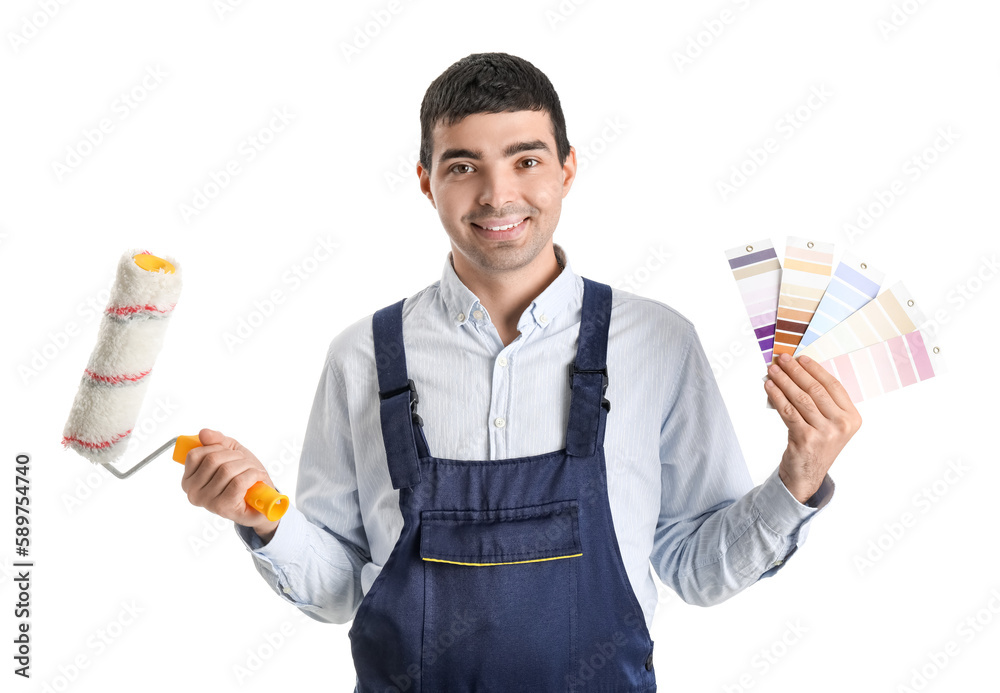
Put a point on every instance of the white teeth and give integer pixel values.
(501, 228)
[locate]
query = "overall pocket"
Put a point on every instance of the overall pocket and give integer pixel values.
(500, 597)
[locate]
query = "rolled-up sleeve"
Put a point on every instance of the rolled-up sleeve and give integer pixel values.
(717, 533)
(314, 558)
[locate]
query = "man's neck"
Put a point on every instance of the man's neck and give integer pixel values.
(506, 297)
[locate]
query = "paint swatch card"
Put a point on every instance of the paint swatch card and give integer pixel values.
(852, 285)
(892, 313)
(886, 366)
(804, 278)
(757, 272)
(870, 341)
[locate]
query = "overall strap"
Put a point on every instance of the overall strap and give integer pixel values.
(397, 397)
(588, 375)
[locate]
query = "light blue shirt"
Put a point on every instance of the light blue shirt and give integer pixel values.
(681, 497)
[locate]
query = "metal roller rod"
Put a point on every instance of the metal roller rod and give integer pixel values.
(124, 475)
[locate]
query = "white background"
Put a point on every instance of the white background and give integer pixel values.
(344, 169)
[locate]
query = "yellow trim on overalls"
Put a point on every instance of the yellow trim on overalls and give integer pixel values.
(534, 560)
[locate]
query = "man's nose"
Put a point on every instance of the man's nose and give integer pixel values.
(499, 188)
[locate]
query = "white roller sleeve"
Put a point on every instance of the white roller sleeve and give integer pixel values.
(130, 337)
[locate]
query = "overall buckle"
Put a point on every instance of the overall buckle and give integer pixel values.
(414, 398)
(604, 385)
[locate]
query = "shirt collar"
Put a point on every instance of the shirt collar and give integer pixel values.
(462, 305)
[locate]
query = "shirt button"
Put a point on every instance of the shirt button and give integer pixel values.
(477, 314)
(777, 563)
(543, 318)
(502, 361)
(286, 590)
(460, 317)
(499, 422)
(649, 662)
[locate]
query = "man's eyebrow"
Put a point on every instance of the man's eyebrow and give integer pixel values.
(477, 154)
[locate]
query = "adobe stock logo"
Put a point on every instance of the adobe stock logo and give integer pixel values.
(247, 151)
(963, 293)
(711, 30)
(883, 199)
(601, 653)
(365, 33)
(122, 106)
(940, 658)
(900, 15)
(924, 500)
(31, 25)
(766, 658)
(294, 278)
(758, 156)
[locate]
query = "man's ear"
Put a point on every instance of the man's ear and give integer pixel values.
(569, 170)
(425, 183)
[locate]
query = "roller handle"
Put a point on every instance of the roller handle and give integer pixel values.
(260, 496)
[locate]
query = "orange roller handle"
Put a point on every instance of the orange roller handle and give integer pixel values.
(260, 496)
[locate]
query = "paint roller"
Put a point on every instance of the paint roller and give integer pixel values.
(116, 378)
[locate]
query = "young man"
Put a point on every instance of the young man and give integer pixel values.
(466, 490)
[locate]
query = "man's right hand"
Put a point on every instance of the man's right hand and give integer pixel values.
(217, 476)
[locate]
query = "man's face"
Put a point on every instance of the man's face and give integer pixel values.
(497, 169)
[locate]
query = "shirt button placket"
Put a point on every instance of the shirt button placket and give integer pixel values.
(501, 402)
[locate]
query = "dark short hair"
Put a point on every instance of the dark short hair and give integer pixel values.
(488, 83)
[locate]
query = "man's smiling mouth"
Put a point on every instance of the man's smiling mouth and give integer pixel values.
(501, 227)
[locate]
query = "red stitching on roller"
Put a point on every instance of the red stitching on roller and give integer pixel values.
(116, 379)
(107, 443)
(131, 310)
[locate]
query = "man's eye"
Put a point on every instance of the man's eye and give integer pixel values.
(535, 160)
(460, 166)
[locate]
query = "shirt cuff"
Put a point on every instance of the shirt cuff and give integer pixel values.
(781, 511)
(286, 543)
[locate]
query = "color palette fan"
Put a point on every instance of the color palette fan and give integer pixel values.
(833, 313)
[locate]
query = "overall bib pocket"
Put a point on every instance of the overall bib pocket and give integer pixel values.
(500, 594)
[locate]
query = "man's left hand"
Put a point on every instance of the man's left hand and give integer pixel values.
(820, 416)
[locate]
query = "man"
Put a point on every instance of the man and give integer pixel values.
(468, 494)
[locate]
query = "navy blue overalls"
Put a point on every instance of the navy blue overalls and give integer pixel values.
(507, 575)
